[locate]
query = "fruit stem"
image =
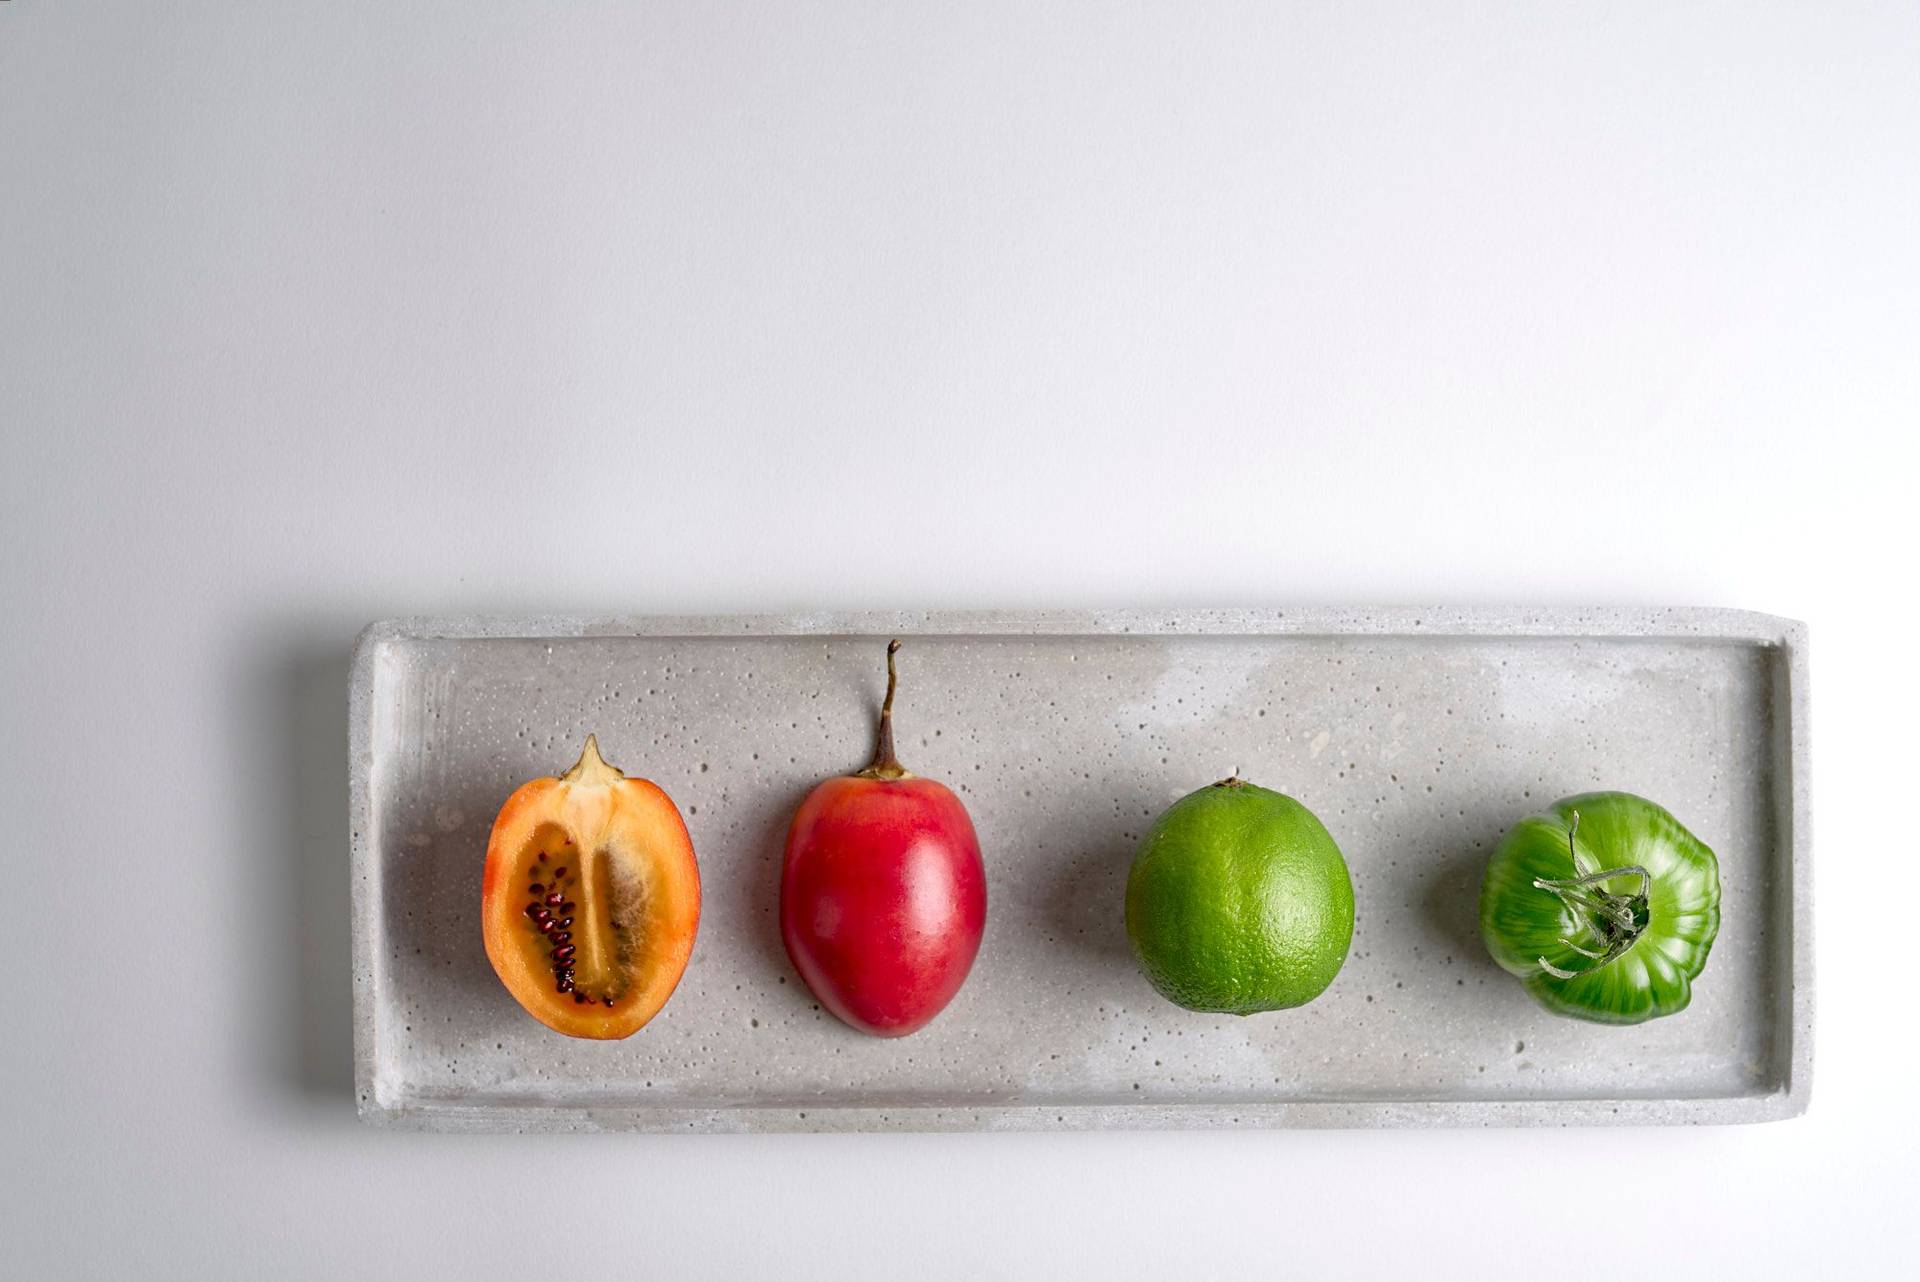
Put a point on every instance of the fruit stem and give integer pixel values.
(885, 764)
(590, 769)
(1612, 921)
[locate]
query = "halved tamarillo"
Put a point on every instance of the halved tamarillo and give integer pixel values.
(591, 899)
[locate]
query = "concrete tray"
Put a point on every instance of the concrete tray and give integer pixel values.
(1418, 735)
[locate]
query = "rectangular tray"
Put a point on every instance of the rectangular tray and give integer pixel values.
(1418, 736)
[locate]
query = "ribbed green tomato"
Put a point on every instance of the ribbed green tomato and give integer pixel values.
(1604, 906)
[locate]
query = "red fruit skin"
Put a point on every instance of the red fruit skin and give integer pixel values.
(883, 899)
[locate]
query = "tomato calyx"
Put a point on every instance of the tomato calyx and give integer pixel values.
(885, 765)
(1611, 922)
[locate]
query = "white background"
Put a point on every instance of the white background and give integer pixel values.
(313, 313)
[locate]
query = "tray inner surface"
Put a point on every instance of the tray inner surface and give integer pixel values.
(1416, 752)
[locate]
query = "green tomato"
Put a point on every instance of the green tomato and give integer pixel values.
(1604, 906)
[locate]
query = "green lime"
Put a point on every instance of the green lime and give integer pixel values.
(1239, 902)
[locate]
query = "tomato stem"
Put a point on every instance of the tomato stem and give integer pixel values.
(1612, 921)
(885, 764)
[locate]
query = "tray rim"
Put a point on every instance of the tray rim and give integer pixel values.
(1704, 624)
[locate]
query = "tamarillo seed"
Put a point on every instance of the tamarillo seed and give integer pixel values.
(565, 922)
(555, 899)
(536, 888)
(607, 1000)
(561, 936)
(559, 872)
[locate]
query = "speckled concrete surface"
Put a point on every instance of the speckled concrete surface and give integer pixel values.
(1417, 735)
